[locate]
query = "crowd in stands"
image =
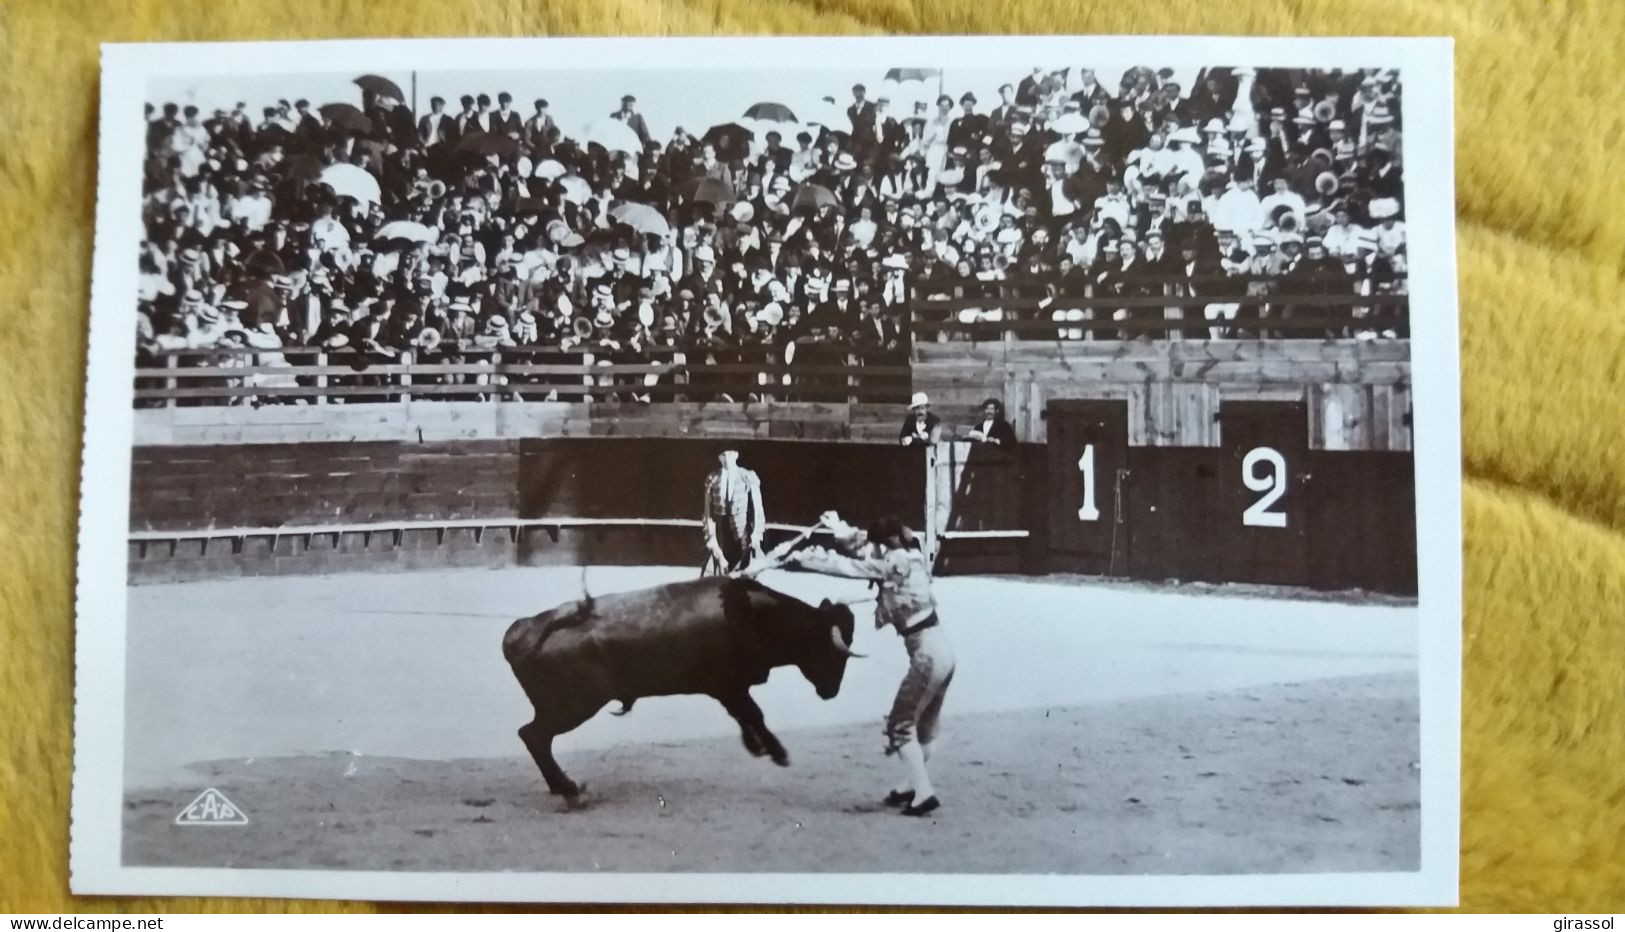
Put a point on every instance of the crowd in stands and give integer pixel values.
(475, 226)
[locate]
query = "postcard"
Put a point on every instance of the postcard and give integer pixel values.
(965, 471)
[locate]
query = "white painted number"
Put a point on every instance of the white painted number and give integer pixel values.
(1272, 483)
(1086, 463)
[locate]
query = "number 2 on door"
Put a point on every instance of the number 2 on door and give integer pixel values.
(1086, 465)
(1271, 482)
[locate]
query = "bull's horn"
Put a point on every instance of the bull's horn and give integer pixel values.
(841, 645)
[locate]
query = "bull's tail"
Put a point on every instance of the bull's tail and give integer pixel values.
(523, 637)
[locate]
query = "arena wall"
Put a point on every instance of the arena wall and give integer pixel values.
(295, 507)
(1357, 394)
(1282, 462)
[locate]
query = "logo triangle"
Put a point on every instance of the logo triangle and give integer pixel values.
(211, 808)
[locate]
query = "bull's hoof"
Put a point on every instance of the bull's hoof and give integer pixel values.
(782, 759)
(567, 789)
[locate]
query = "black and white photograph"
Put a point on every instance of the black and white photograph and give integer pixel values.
(963, 471)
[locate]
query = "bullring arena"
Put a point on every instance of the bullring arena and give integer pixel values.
(1153, 679)
(1094, 727)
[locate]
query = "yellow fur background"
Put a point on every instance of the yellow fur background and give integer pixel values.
(1539, 113)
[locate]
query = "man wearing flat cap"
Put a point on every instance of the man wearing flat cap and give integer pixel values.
(970, 127)
(503, 121)
(629, 115)
(436, 127)
(862, 112)
(539, 125)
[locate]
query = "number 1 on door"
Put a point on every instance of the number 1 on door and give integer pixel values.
(1086, 465)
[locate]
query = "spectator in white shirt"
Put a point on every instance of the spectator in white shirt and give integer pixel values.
(1239, 209)
(251, 209)
(1283, 196)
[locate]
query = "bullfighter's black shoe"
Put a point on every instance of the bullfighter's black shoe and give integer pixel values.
(930, 805)
(895, 799)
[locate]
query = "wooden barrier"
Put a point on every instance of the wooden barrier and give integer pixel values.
(237, 375)
(1165, 308)
(198, 512)
(1342, 519)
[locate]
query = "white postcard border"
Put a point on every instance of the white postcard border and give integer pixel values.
(95, 853)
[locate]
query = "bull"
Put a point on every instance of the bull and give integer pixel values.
(717, 636)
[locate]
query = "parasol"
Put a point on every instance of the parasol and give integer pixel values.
(771, 113)
(1070, 124)
(300, 168)
(828, 113)
(346, 117)
(642, 218)
(383, 87)
(610, 133)
(406, 230)
(351, 181)
(814, 196)
(548, 169)
(709, 191)
(904, 75)
(575, 189)
(731, 140)
(264, 263)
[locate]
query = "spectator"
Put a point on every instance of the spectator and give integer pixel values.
(921, 427)
(436, 127)
(1057, 192)
(629, 115)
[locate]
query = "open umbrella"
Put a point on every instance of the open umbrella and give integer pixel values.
(643, 218)
(827, 113)
(904, 75)
(487, 144)
(351, 181)
(373, 152)
(254, 300)
(770, 113)
(264, 264)
(346, 117)
(548, 169)
(300, 168)
(814, 196)
(1064, 151)
(575, 189)
(611, 134)
(731, 140)
(383, 87)
(406, 230)
(787, 131)
(709, 191)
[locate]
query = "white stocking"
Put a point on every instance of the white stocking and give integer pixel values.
(913, 756)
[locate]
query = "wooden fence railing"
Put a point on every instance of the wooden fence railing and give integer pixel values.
(314, 375)
(1290, 310)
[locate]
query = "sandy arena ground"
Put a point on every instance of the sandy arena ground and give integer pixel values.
(367, 722)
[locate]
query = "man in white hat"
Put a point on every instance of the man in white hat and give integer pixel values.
(921, 427)
(734, 519)
(1390, 232)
